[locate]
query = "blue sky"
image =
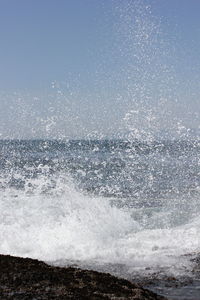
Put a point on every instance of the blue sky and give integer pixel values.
(68, 66)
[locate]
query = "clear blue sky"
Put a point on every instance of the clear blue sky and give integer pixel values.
(79, 45)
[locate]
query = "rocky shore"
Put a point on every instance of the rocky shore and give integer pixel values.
(25, 278)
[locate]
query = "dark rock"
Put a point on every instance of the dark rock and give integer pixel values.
(25, 278)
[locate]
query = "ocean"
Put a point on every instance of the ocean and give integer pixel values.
(130, 208)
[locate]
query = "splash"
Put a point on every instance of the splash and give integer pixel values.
(149, 85)
(61, 224)
(134, 203)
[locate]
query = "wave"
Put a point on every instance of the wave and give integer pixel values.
(67, 225)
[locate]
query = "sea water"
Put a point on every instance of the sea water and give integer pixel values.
(101, 202)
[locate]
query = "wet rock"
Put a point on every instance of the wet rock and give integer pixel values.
(24, 279)
(196, 265)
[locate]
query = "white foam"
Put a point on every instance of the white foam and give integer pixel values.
(67, 225)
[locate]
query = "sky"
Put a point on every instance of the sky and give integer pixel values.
(90, 68)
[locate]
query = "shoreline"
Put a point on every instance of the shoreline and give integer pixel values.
(26, 278)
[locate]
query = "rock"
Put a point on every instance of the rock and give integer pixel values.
(25, 278)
